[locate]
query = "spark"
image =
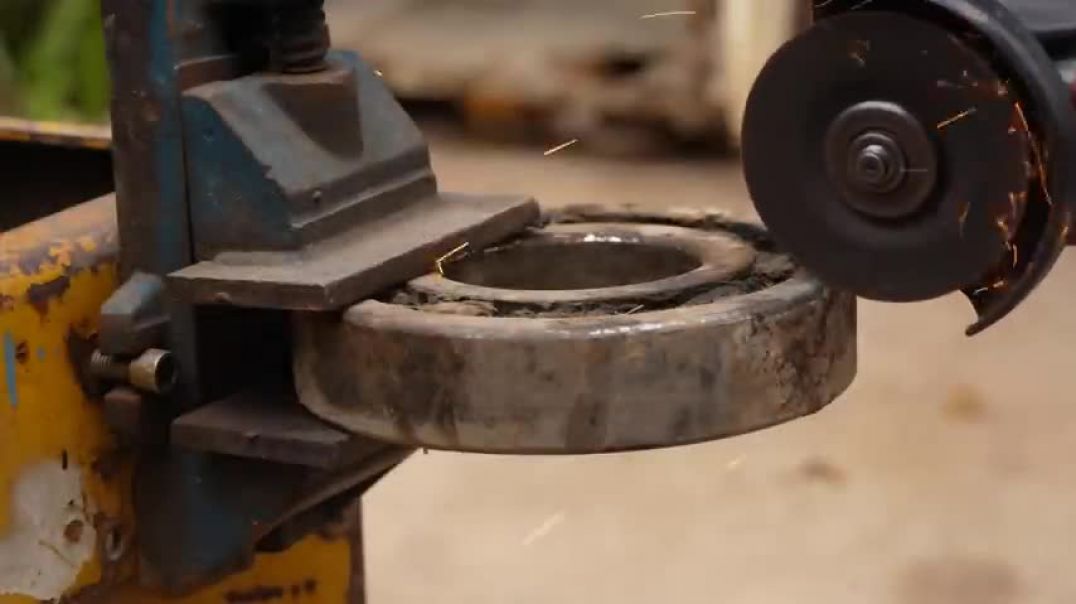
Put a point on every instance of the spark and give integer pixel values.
(1036, 153)
(859, 50)
(561, 147)
(543, 529)
(861, 5)
(441, 261)
(1004, 226)
(956, 118)
(1023, 117)
(670, 13)
(1015, 201)
(1000, 283)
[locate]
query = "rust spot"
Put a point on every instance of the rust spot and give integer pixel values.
(22, 352)
(73, 531)
(40, 294)
(965, 404)
(260, 593)
(32, 260)
(819, 469)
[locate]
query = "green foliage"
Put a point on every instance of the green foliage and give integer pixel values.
(52, 59)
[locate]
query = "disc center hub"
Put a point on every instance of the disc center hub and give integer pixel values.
(876, 164)
(881, 160)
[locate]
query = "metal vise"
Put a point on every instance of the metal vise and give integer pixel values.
(256, 172)
(280, 225)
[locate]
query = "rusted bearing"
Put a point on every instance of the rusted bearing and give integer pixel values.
(690, 367)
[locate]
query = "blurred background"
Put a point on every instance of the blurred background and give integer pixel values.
(941, 477)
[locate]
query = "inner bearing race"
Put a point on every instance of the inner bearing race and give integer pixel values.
(593, 262)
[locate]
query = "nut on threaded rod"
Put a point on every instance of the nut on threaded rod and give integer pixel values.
(300, 36)
(152, 371)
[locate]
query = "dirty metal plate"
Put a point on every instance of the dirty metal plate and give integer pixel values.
(364, 261)
(469, 375)
(269, 426)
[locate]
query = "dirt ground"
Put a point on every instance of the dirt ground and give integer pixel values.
(941, 477)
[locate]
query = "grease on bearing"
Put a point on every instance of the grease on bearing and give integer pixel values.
(769, 268)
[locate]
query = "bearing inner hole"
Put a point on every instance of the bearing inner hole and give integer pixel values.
(571, 265)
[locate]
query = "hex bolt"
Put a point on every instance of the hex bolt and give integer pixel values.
(152, 371)
(874, 165)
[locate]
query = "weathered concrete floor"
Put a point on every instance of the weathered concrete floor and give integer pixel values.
(945, 476)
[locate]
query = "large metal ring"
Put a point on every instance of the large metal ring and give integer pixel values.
(743, 353)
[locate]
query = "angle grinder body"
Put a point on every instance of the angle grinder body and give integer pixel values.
(924, 147)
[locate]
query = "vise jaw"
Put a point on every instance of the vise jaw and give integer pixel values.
(312, 191)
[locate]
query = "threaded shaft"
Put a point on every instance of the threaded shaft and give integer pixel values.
(301, 36)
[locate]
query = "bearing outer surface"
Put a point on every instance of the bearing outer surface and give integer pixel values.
(586, 384)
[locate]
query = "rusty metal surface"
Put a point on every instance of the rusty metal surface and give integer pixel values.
(54, 274)
(78, 239)
(147, 134)
(269, 425)
(672, 374)
(360, 263)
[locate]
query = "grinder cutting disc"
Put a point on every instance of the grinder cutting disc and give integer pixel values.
(888, 156)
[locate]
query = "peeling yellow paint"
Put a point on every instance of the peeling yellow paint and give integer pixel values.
(45, 417)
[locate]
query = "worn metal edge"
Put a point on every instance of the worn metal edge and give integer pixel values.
(318, 282)
(796, 299)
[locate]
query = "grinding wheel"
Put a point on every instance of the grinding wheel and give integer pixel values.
(884, 153)
(907, 149)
